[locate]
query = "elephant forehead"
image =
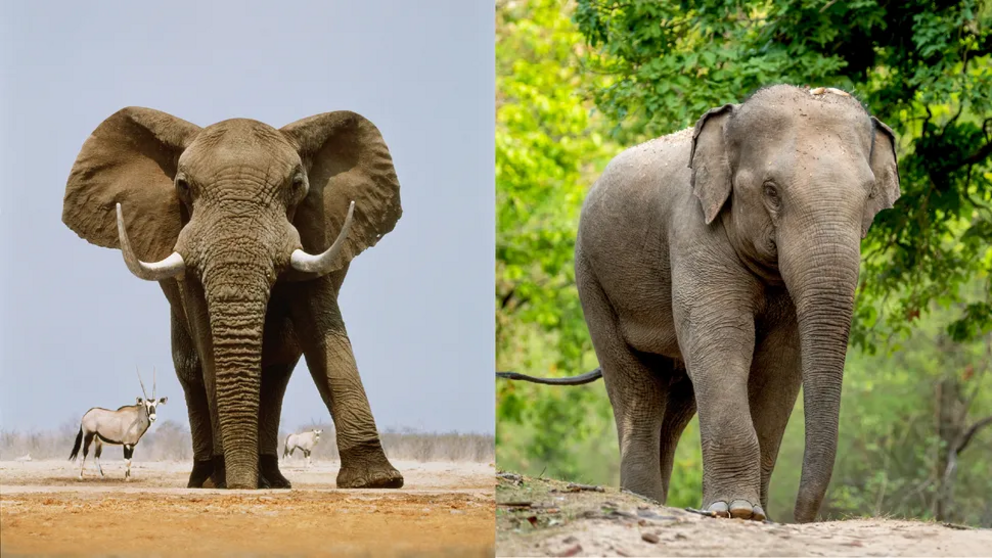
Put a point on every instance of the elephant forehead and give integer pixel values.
(808, 125)
(240, 142)
(798, 109)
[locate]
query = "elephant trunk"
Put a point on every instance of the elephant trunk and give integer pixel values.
(236, 302)
(821, 277)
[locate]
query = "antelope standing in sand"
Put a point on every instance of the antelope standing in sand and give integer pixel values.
(123, 427)
(304, 441)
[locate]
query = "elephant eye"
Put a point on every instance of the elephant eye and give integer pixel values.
(182, 187)
(771, 193)
(300, 184)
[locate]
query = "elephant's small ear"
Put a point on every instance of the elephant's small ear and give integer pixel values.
(885, 167)
(709, 163)
(346, 160)
(130, 158)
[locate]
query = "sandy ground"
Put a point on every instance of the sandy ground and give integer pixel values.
(443, 509)
(538, 517)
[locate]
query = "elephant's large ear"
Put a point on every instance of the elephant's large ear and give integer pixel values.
(885, 167)
(130, 158)
(709, 162)
(346, 160)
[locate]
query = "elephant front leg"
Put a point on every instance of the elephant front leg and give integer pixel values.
(717, 341)
(329, 357)
(190, 374)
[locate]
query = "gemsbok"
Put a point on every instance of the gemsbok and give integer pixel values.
(304, 441)
(123, 427)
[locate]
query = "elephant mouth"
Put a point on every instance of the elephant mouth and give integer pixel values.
(174, 266)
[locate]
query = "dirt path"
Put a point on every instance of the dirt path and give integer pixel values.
(444, 509)
(537, 517)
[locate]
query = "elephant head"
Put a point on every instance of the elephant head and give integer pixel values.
(796, 177)
(228, 210)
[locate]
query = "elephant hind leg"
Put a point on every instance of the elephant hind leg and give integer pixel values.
(275, 377)
(639, 398)
(679, 410)
(637, 385)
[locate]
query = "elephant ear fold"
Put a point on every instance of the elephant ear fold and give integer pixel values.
(885, 167)
(131, 159)
(709, 162)
(346, 160)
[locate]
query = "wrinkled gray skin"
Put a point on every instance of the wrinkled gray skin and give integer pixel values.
(234, 200)
(717, 270)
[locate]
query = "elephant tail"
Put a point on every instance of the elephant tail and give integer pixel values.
(569, 381)
(75, 447)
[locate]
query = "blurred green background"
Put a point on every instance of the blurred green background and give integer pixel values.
(579, 81)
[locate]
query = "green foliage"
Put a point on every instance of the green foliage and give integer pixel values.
(922, 69)
(548, 151)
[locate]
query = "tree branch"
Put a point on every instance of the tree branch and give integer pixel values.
(978, 156)
(970, 433)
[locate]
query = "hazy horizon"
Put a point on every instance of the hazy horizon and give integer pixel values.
(418, 306)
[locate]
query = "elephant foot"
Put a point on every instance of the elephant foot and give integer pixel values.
(200, 473)
(218, 476)
(381, 478)
(268, 477)
(268, 471)
(366, 466)
(738, 509)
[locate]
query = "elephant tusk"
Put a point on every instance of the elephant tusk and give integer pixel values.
(321, 264)
(171, 266)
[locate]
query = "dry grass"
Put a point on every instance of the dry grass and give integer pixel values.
(170, 440)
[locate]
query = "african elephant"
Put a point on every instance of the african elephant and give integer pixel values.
(230, 216)
(717, 269)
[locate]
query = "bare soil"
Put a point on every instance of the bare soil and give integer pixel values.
(539, 517)
(443, 509)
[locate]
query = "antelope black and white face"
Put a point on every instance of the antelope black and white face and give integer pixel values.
(150, 405)
(316, 434)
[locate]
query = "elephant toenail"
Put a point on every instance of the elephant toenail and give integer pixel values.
(741, 509)
(719, 509)
(758, 514)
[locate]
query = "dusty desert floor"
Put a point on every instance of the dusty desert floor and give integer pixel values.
(444, 509)
(540, 517)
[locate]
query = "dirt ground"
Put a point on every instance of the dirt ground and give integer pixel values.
(443, 509)
(537, 517)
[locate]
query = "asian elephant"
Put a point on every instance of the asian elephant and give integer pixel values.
(717, 270)
(251, 231)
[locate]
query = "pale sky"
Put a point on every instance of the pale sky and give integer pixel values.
(418, 305)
